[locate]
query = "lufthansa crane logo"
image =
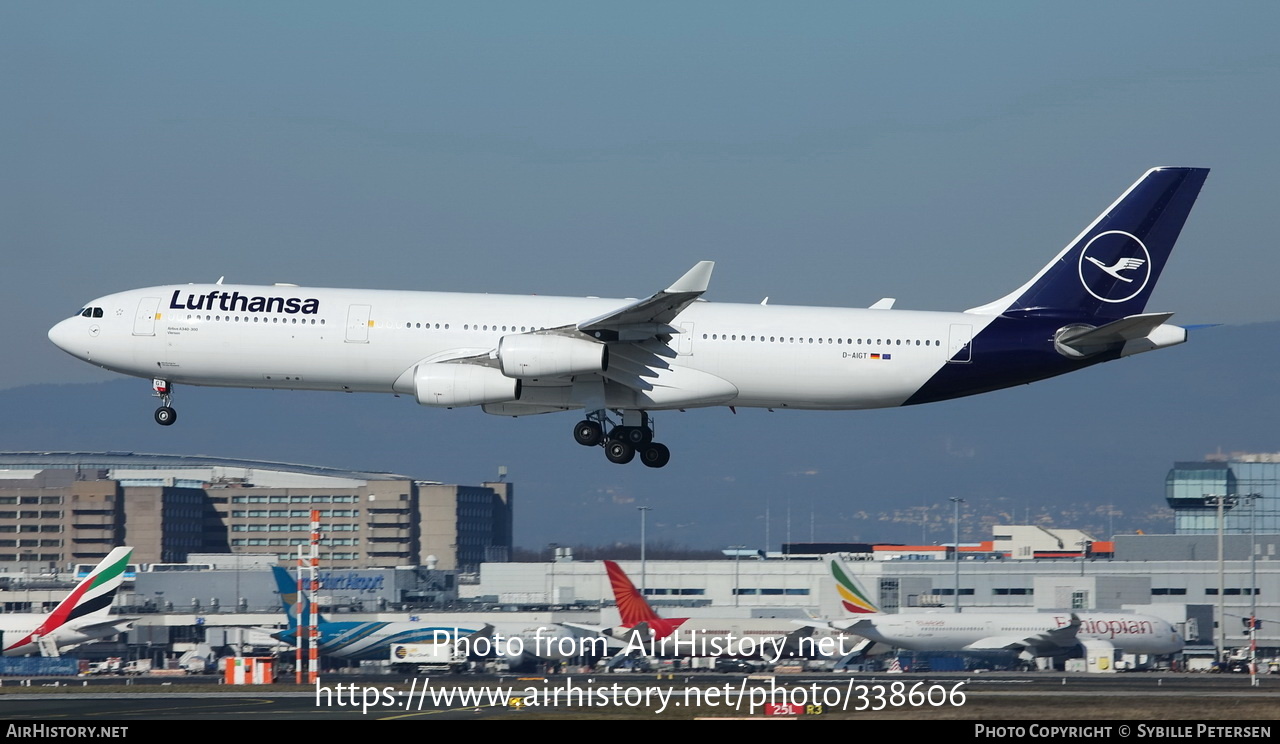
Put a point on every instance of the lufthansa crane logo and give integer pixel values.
(1115, 266)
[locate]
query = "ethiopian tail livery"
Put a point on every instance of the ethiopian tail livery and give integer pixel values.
(619, 361)
(83, 616)
(1027, 634)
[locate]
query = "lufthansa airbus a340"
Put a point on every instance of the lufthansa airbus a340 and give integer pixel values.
(619, 361)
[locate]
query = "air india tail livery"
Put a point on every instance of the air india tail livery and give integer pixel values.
(634, 610)
(83, 616)
(619, 361)
(643, 631)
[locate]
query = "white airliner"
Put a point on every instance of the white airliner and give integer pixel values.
(643, 631)
(1054, 633)
(620, 360)
(81, 617)
(520, 644)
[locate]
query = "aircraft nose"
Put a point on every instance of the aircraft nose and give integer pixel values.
(70, 335)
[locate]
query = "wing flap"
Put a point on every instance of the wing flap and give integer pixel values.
(633, 381)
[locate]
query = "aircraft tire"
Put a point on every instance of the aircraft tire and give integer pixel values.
(619, 452)
(655, 455)
(635, 435)
(587, 433)
(165, 416)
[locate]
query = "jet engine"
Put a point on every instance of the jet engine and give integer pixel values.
(446, 385)
(532, 356)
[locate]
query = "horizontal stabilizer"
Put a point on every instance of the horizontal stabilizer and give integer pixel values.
(884, 304)
(1148, 330)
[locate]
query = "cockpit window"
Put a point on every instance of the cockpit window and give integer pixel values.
(91, 312)
(97, 312)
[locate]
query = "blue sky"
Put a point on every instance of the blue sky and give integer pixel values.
(820, 153)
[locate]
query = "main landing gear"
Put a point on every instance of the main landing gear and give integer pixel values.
(165, 415)
(624, 441)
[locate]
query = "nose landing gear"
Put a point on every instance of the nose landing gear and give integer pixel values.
(165, 415)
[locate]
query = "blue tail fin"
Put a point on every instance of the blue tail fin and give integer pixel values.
(1110, 269)
(287, 588)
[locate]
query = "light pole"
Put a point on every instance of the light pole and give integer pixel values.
(644, 511)
(1220, 500)
(737, 554)
(551, 596)
(1253, 590)
(955, 547)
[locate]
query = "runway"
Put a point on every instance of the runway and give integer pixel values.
(959, 696)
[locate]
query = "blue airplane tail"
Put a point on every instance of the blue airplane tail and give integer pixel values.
(1110, 269)
(287, 588)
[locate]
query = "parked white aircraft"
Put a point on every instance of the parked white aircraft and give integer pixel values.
(81, 617)
(1052, 633)
(644, 631)
(520, 644)
(520, 355)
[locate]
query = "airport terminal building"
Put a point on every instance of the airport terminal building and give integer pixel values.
(63, 508)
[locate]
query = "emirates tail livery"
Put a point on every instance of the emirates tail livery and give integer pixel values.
(83, 616)
(619, 361)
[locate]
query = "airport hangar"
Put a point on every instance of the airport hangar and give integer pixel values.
(395, 563)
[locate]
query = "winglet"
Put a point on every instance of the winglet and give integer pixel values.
(696, 279)
(660, 308)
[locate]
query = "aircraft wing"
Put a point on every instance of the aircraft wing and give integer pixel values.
(851, 626)
(597, 630)
(114, 624)
(791, 644)
(1046, 643)
(650, 317)
(637, 333)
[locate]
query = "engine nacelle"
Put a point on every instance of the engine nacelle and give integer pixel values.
(455, 385)
(529, 356)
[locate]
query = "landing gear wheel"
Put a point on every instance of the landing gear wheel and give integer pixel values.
(619, 452)
(165, 416)
(588, 433)
(655, 455)
(635, 435)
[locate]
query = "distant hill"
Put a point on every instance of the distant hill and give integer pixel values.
(1063, 449)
